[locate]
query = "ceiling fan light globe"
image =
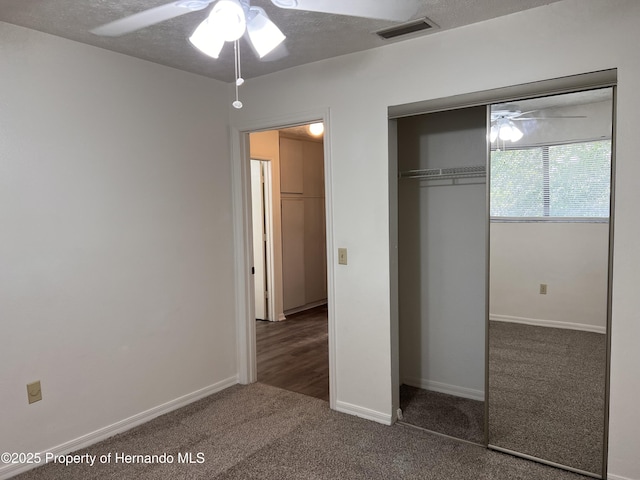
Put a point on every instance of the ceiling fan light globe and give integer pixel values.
(263, 33)
(206, 39)
(504, 132)
(493, 134)
(227, 18)
(516, 133)
(508, 132)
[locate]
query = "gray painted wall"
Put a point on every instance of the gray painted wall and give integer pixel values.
(442, 255)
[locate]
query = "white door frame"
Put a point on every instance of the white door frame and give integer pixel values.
(242, 233)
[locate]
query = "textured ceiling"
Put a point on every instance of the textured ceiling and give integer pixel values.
(301, 131)
(310, 36)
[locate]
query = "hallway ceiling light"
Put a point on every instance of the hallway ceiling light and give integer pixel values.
(316, 129)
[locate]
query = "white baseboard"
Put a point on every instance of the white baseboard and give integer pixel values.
(96, 436)
(363, 412)
(611, 476)
(440, 387)
(539, 322)
(308, 306)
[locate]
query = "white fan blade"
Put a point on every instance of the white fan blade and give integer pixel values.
(396, 10)
(519, 114)
(547, 118)
(150, 17)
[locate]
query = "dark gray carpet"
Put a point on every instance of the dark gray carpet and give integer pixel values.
(262, 432)
(454, 416)
(546, 393)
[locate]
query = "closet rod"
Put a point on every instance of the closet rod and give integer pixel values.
(445, 173)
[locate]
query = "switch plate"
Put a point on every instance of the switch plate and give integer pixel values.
(543, 289)
(34, 392)
(342, 256)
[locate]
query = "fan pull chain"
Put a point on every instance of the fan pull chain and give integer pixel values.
(239, 80)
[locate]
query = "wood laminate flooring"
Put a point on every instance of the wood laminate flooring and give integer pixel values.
(294, 354)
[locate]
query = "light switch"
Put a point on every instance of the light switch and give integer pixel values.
(342, 256)
(34, 392)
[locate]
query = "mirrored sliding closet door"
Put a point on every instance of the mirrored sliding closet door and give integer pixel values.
(550, 184)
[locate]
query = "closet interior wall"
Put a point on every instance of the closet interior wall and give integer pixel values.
(442, 251)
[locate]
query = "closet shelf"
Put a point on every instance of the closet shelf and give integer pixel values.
(445, 173)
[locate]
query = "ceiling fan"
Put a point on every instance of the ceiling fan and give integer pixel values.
(503, 118)
(229, 20)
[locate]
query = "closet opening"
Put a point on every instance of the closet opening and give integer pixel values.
(442, 271)
(501, 267)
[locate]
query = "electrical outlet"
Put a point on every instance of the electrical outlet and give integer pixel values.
(34, 391)
(342, 256)
(543, 289)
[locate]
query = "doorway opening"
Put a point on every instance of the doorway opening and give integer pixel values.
(289, 244)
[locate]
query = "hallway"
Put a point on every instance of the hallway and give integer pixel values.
(294, 354)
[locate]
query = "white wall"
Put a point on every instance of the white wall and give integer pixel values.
(571, 258)
(564, 38)
(116, 250)
(442, 231)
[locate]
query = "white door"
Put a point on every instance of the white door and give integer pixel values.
(259, 238)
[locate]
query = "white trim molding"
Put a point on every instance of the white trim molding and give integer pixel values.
(244, 302)
(363, 412)
(611, 476)
(440, 387)
(539, 322)
(103, 433)
(308, 306)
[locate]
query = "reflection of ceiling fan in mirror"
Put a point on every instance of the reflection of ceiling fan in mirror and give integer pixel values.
(505, 116)
(229, 20)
